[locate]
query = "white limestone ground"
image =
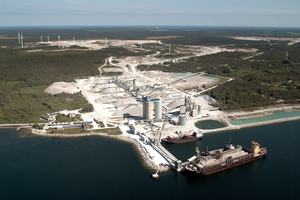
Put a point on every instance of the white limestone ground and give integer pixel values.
(292, 40)
(111, 102)
(59, 87)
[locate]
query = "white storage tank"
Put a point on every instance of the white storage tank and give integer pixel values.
(158, 110)
(182, 120)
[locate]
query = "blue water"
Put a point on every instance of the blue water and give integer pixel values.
(34, 167)
(209, 124)
(211, 77)
(277, 115)
(183, 75)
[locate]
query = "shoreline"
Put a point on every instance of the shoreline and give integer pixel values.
(125, 138)
(148, 163)
(262, 112)
(256, 114)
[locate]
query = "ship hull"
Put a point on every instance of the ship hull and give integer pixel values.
(221, 159)
(181, 140)
(234, 165)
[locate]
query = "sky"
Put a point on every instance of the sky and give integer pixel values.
(244, 13)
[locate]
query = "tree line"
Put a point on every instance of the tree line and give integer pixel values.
(266, 79)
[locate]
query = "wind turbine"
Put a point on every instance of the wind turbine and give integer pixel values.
(22, 40)
(19, 37)
(58, 41)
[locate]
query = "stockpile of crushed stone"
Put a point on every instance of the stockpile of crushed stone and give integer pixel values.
(111, 90)
(60, 87)
(175, 103)
(134, 110)
(121, 102)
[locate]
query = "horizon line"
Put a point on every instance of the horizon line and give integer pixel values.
(144, 26)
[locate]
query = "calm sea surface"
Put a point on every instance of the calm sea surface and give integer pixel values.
(276, 115)
(34, 167)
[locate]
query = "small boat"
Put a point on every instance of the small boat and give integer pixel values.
(197, 135)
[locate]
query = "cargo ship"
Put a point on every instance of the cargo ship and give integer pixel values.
(197, 135)
(209, 162)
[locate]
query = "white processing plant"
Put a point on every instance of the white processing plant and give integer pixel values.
(146, 110)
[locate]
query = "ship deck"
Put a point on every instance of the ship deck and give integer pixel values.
(212, 160)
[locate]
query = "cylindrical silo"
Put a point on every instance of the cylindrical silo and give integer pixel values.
(149, 110)
(199, 109)
(182, 120)
(158, 110)
(144, 108)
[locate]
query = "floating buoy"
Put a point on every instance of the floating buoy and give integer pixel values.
(155, 176)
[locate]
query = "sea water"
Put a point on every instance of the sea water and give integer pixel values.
(35, 167)
(276, 115)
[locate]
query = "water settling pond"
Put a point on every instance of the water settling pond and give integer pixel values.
(209, 124)
(276, 115)
(211, 77)
(181, 75)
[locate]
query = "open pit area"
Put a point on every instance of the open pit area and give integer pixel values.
(149, 106)
(130, 101)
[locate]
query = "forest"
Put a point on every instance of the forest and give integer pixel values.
(25, 75)
(188, 35)
(267, 79)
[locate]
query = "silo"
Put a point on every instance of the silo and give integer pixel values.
(149, 110)
(144, 108)
(158, 110)
(199, 109)
(182, 120)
